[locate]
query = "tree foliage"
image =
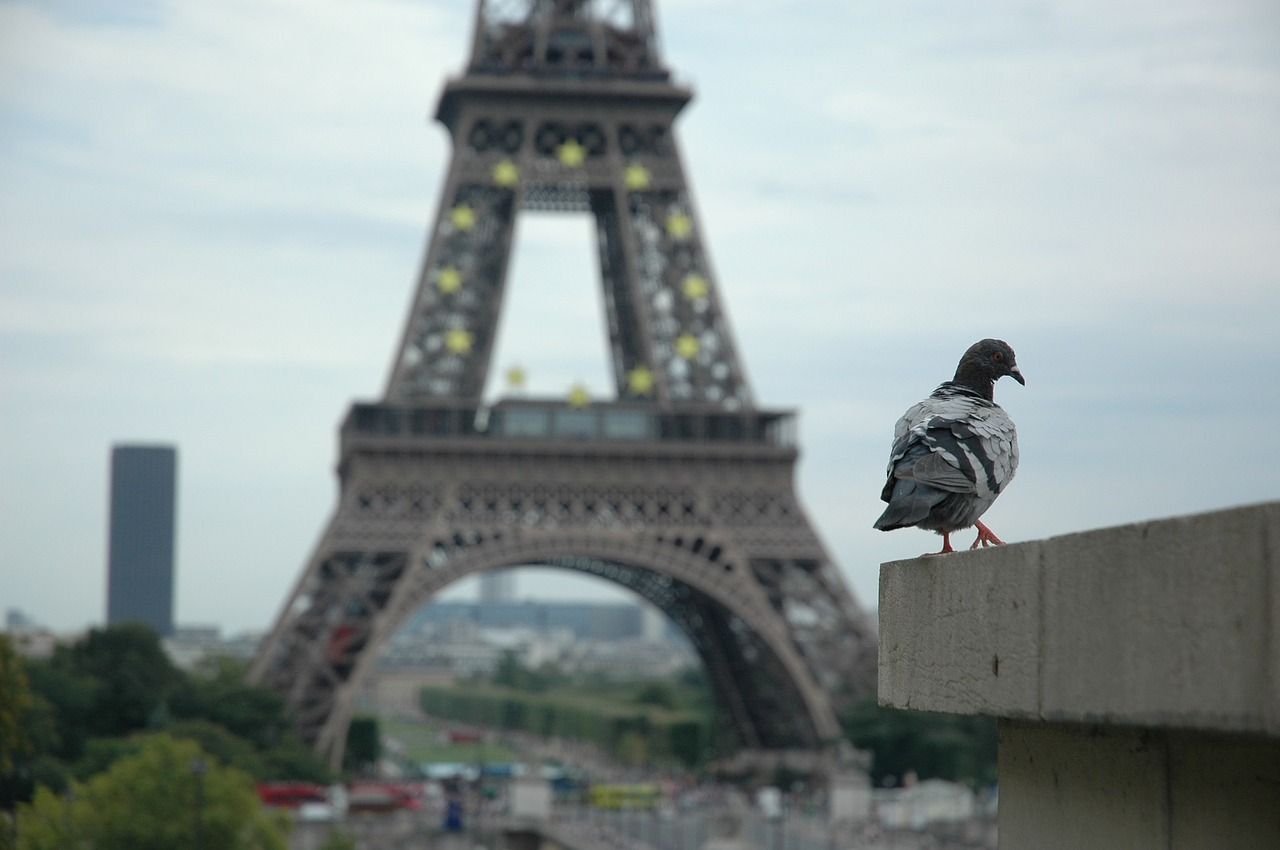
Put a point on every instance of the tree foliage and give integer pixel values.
(944, 746)
(511, 673)
(364, 745)
(78, 740)
(27, 734)
(339, 840)
(17, 704)
(130, 675)
(155, 799)
(216, 692)
(92, 695)
(639, 721)
(658, 694)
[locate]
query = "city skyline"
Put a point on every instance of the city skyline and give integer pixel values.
(213, 218)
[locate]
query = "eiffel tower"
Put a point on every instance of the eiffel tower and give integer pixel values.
(681, 489)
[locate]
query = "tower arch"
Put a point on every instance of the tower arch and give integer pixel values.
(757, 677)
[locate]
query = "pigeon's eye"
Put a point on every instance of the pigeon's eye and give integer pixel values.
(998, 356)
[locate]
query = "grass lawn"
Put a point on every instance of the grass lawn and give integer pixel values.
(421, 739)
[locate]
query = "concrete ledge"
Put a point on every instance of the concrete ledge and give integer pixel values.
(1171, 623)
(1064, 787)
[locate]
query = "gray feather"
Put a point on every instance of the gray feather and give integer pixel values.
(952, 455)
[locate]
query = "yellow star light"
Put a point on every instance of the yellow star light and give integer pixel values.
(449, 281)
(636, 177)
(687, 346)
(505, 174)
(695, 287)
(679, 226)
(640, 381)
(571, 154)
(578, 396)
(516, 377)
(458, 341)
(463, 217)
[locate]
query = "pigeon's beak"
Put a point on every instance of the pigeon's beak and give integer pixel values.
(1016, 374)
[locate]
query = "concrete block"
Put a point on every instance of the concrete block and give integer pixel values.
(1136, 672)
(1162, 623)
(1224, 791)
(1077, 786)
(1172, 623)
(960, 633)
(1080, 788)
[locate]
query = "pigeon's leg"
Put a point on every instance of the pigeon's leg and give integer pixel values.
(946, 545)
(986, 538)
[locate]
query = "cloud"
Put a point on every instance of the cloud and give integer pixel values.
(212, 217)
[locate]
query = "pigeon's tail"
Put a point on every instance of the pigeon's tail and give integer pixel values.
(909, 504)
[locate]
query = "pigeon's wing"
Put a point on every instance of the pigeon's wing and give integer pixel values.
(907, 446)
(938, 469)
(954, 442)
(996, 444)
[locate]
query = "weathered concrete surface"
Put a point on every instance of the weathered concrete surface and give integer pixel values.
(1062, 789)
(1136, 672)
(1071, 787)
(1171, 623)
(961, 633)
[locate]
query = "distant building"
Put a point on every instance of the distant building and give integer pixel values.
(16, 620)
(141, 536)
(587, 620)
(653, 623)
(498, 586)
(28, 638)
(190, 645)
(923, 803)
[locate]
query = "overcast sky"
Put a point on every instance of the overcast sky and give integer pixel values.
(212, 217)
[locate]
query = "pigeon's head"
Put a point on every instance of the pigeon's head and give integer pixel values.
(985, 362)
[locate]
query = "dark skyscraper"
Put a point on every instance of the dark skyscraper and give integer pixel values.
(141, 544)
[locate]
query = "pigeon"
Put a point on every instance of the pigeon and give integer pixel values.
(954, 452)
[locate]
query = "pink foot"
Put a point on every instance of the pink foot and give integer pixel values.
(946, 546)
(986, 538)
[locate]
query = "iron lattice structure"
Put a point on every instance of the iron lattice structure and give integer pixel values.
(681, 490)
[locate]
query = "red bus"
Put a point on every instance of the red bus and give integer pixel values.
(290, 795)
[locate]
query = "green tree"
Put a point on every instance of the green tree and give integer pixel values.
(292, 759)
(17, 704)
(687, 742)
(216, 691)
(289, 759)
(659, 694)
(100, 753)
(364, 746)
(111, 682)
(154, 799)
(136, 675)
(70, 697)
(115, 682)
(943, 746)
(632, 748)
(548, 676)
(339, 840)
(27, 733)
(509, 672)
(228, 748)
